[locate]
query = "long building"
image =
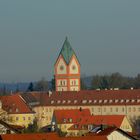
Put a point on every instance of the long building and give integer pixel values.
(104, 102)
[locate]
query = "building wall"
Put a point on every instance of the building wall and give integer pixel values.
(45, 113)
(61, 67)
(115, 135)
(64, 127)
(21, 119)
(67, 76)
(76, 132)
(126, 125)
(74, 66)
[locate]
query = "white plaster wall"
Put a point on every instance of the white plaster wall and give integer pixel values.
(73, 63)
(61, 63)
(115, 135)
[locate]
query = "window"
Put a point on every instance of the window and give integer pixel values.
(75, 101)
(17, 118)
(132, 100)
(99, 109)
(111, 109)
(123, 109)
(104, 109)
(70, 120)
(100, 101)
(61, 67)
(129, 109)
(122, 101)
(138, 100)
(116, 109)
(74, 82)
(58, 101)
(10, 110)
(69, 101)
(105, 101)
(127, 101)
(17, 110)
(95, 101)
(90, 101)
(47, 109)
(50, 109)
(73, 67)
(64, 120)
(52, 101)
(71, 82)
(84, 101)
(29, 118)
(64, 101)
(110, 101)
(61, 83)
(134, 109)
(116, 101)
(92, 109)
(24, 118)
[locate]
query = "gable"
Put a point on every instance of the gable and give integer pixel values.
(74, 67)
(117, 135)
(126, 125)
(61, 67)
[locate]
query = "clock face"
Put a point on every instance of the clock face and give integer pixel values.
(61, 67)
(73, 67)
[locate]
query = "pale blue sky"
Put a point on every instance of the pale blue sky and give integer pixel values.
(105, 34)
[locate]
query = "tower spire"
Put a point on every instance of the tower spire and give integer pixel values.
(67, 69)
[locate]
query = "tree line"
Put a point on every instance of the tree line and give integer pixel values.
(114, 80)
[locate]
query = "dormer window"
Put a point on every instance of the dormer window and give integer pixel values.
(17, 110)
(10, 110)
(138, 100)
(127, 101)
(84, 101)
(75, 126)
(58, 101)
(95, 101)
(110, 101)
(64, 101)
(52, 101)
(75, 101)
(64, 120)
(70, 119)
(132, 100)
(105, 101)
(116, 101)
(100, 101)
(69, 101)
(122, 100)
(90, 101)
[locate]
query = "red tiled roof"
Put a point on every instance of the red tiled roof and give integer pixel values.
(109, 120)
(89, 97)
(48, 136)
(64, 116)
(14, 104)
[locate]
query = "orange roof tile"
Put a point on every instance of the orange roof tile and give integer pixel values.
(48, 136)
(14, 104)
(109, 120)
(64, 116)
(89, 97)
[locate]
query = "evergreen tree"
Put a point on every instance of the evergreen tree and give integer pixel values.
(30, 87)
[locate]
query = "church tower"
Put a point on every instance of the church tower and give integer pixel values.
(67, 69)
